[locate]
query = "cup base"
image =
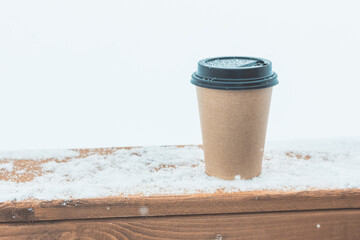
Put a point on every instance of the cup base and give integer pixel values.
(236, 177)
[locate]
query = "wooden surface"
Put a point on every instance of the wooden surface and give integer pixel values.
(311, 214)
(163, 205)
(306, 225)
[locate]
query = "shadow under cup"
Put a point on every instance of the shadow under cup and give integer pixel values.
(234, 95)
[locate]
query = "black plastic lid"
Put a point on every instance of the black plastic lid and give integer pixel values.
(234, 73)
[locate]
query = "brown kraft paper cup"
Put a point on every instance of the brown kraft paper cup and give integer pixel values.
(233, 124)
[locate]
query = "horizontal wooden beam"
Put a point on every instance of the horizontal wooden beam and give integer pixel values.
(309, 225)
(218, 203)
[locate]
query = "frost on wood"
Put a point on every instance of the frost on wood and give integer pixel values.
(6, 166)
(180, 170)
(38, 154)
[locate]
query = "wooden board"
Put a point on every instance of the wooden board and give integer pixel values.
(309, 225)
(134, 206)
(163, 205)
(311, 214)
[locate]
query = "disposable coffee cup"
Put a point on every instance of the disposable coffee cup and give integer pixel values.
(234, 95)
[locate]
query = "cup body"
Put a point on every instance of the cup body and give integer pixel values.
(234, 95)
(233, 125)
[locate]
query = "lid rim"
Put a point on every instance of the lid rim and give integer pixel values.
(235, 88)
(240, 84)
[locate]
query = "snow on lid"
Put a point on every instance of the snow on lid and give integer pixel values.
(232, 62)
(172, 170)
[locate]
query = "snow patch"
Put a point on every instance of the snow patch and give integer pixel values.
(6, 166)
(156, 170)
(38, 154)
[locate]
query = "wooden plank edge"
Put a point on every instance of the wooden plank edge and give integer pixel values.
(194, 204)
(310, 225)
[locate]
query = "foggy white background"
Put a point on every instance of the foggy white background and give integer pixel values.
(116, 73)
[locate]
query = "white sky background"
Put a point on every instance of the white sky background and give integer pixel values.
(116, 73)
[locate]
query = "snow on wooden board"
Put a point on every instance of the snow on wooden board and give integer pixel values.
(172, 170)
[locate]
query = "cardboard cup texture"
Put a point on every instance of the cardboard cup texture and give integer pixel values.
(233, 125)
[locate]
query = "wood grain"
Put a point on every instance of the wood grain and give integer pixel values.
(309, 225)
(217, 203)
